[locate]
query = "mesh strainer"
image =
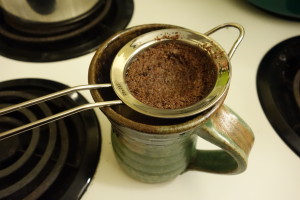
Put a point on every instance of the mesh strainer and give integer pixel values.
(118, 73)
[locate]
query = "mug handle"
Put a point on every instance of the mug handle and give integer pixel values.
(228, 131)
(238, 40)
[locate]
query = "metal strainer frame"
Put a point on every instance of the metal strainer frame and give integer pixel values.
(135, 46)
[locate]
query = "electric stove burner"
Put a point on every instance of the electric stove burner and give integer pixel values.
(278, 86)
(65, 41)
(296, 88)
(54, 161)
(23, 31)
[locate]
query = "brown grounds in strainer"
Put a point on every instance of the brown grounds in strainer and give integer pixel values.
(171, 74)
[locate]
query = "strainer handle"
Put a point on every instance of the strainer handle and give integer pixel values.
(46, 120)
(238, 40)
(47, 97)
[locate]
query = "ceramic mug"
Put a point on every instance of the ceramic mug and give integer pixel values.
(155, 150)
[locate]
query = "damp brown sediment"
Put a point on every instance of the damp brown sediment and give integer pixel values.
(171, 74)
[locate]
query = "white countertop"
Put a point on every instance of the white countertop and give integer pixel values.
(273, 169)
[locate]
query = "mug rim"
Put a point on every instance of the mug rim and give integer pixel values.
(95, 68)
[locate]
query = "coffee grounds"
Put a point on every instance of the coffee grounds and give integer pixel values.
(171, 74)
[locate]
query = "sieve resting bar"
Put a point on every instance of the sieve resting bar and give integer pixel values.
(46, 120)
(238, 40)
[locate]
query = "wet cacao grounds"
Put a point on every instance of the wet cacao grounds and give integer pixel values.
(171, 74)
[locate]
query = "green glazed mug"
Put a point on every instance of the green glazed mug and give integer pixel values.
(155, 150)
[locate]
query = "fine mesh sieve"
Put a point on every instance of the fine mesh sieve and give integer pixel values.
(118, 73)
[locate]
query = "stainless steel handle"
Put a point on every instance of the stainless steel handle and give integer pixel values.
(238, 40)
(57, 116)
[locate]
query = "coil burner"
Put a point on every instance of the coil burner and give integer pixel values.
(52, 42)
(54, 161)
(278, 86)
